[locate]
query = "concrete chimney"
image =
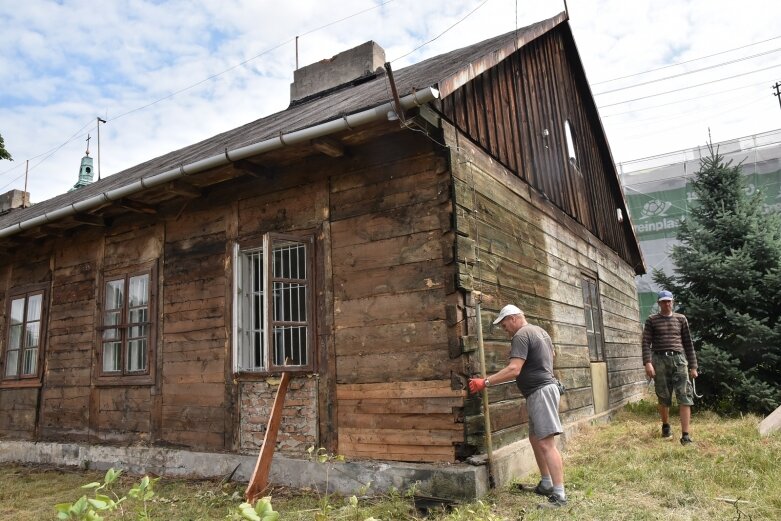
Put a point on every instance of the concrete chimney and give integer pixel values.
(14, 199)
(344, 68)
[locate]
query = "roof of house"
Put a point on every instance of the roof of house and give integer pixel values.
(446, 72)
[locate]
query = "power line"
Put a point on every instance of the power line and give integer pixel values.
(688, 72)
(683, 100)
(718, 110)
(51, 152)
(689, 87)
(241, 64)
(684, 62)
(470, 13)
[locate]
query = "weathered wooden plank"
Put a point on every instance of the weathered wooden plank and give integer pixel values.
(195, 289)
(403, 390)
(401, 436)
(195, 394)
(293, 209)
(418, 247)
(187, 372)
(624, 364)
(417, 405)
(133, 247)
(391, 338)
(195, 223)
(621, 378)
(505, 414)
(373, 170)
(194, 439)
(201, 323)
(192, 418)
(352, 284)
(124, 422)
(394, 193)
(390, 309)
(406, 220)
(410, 453)
(423, 384)
(176, 339)
(381, 367)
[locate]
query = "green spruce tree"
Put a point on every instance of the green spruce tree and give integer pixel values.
(3, 152)
(727, 282)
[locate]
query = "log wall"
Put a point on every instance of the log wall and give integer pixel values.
(392, 247)
(514, 246)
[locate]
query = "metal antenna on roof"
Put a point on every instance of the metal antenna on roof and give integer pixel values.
(100, 120)
(296, 52)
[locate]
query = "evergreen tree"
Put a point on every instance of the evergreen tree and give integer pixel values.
(727, 282)
(3, 152)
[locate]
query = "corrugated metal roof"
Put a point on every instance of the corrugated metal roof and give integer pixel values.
(447, 72)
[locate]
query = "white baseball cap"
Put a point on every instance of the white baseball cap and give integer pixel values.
(506, 311)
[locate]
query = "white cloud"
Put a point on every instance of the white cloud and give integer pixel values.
(64, 64)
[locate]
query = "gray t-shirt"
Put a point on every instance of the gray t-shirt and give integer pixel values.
(534, 345)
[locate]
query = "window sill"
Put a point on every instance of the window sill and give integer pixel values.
(249, 376)
(119, 381)
(20, 384)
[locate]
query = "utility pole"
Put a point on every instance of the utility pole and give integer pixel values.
(777, 93)
(100, 120)
(25, 199)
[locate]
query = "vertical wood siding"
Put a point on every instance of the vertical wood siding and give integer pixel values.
(516, 111)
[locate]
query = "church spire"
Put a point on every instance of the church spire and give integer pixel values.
(86, 172)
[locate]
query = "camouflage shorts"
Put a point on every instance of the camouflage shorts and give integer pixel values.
(672, 375)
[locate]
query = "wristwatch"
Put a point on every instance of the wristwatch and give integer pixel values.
(487, 382)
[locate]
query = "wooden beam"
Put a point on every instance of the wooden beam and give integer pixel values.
(183, 189)
(91, 220)
(259, 480)
(136, 206)
(253, 169)
(329, 146)
(53, 231)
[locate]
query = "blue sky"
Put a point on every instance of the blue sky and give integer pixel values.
(145, 66)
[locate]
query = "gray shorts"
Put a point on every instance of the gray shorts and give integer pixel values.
(543, 408)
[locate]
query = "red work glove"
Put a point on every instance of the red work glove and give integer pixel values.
(476, 385)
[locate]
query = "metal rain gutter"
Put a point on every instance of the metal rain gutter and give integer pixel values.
(416, 99)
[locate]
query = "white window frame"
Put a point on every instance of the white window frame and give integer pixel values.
(248, 296)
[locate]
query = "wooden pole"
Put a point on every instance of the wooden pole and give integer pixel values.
(259, 480)
(24, 194)
(486, 406)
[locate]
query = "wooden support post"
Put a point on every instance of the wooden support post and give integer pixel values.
(259, 481)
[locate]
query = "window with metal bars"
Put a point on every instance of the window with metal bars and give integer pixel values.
(273, 317)
(25, 314)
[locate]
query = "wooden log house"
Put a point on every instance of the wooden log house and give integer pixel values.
(343, 240)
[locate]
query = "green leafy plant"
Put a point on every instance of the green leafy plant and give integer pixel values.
(87, 508)
(262, 511)
(322, 456)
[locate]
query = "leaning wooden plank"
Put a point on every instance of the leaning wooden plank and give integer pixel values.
(259, 481)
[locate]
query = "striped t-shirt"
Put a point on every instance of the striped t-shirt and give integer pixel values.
(668, 333)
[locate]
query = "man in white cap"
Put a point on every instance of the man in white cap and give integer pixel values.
(531, 366)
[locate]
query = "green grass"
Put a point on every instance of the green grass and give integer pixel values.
(619, 471)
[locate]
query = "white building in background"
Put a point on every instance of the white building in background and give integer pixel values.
(658, 192)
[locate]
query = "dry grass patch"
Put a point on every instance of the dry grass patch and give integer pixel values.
(620, 471)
